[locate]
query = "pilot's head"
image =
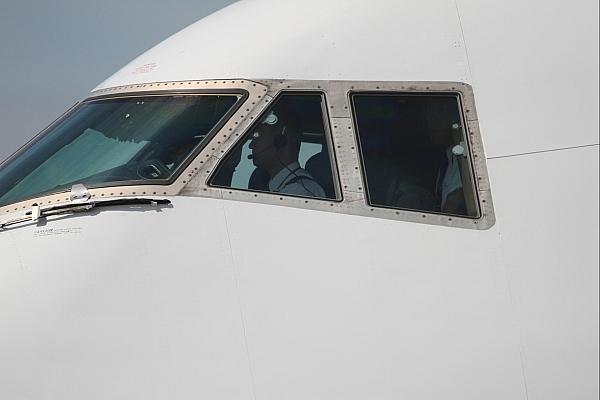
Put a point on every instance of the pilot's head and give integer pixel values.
(275, 143)
(442, 122)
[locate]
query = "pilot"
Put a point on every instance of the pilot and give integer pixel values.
(275, 148)
(449, 186)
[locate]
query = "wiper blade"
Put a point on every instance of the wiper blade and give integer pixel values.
(37, 212)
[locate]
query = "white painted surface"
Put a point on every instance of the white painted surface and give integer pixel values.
(547, 208)
(533, 65)
(535, 72)
(223, 299)
(126, 304)
(343, 307)
(334, 39)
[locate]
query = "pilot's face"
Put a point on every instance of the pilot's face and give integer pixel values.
(262, 146)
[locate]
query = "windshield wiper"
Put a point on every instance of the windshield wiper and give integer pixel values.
(80, 202)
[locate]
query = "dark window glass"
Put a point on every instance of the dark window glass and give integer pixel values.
(286, 151)
(414, 153)
(137, 140)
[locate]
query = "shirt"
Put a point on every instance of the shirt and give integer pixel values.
(451, 179)
(295, 180)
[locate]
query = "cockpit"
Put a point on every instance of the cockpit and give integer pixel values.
(389, 150)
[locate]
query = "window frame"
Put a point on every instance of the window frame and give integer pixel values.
(244, 89)
(328, 141)
(473, 189)
(193, 181)
(345, 147)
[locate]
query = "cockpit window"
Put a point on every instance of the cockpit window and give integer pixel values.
(115, 141)
(287, 152)
(414, 153)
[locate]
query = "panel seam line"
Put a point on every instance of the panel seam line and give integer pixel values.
(237, 286)
(544, 151)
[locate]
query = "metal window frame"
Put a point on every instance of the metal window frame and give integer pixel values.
(345, 145)
(193, 181)
(251, 93)
(328, 142)
(473, 189)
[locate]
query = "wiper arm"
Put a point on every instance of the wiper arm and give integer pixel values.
(37, 212)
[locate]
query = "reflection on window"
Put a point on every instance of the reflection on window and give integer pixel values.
(414, 153)
(286, 152)
(133, 139)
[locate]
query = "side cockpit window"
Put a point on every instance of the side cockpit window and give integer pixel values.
(414, 153)
(287, 152)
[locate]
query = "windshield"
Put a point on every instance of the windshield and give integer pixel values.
(132, 140)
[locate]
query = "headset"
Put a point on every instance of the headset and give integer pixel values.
(279, 141)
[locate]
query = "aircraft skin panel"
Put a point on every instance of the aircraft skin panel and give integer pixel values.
(246, 295)
(122, 304)
(349, 307)
(543, 101)
(547, 210)
(313, 41)
(534, 66)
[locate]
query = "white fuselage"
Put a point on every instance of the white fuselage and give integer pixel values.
(217, 297)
